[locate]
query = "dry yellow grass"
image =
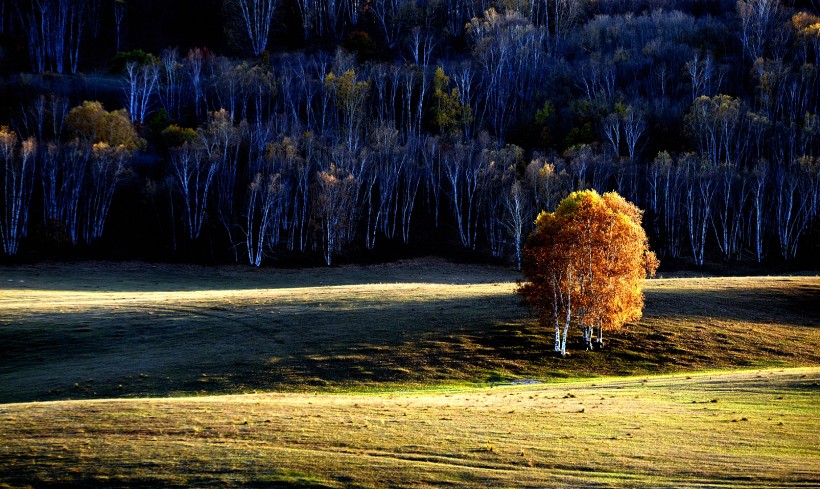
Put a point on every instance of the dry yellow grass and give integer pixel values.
(380, 361)
(731, 429)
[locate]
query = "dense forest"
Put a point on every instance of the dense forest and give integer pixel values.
(302, 131)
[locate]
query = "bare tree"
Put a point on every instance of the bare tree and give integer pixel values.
(496, 180)
(107, 170)
(463, 168)
(666, 185)
(412, 176)
(611, 128)
(326, 17)
(310, 10)
(432, 164)
(719, 125)
(193, 173)
(256, 18)
(757, 191)
(334, 195)
(392, 17)
(274, 201)
(63, 173)
(54, 32)
(44, 118)
(510, 52)
(634, 130)
(518, 217)
(596, 78)
(222, 141)
(258, 92)
(120, 10)
(728, 217)
(760, 28)
(171, 86)
(384, 93)
(699, 72)
(384, 176)
(300, 169)
(227, 87)
(18, 184)
(790, 207)
(140, 86)
(699, 190)
(421, 43)
(564, 15)
(194, 65)
(264, 197)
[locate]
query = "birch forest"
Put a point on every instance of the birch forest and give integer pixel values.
(327, 131)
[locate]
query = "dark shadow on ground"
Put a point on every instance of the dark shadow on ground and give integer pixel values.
(798, 305)
(189, 350)
(142, 277)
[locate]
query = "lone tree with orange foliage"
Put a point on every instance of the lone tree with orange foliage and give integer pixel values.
(585, 264)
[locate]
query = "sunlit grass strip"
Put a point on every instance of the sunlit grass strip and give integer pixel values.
(339, 296)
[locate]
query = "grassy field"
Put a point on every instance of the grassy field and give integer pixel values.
(735, 429)
(112, 330)
(393, 375)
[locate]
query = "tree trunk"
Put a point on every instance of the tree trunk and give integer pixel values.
(566, 329)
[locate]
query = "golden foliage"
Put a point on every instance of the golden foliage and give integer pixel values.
(91, 123)
(587, 261)
(176, 135)
(349, 91)
(8, 141)
(449, 113)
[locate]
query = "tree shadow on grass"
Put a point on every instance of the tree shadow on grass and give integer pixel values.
(383, 344)
(241, 348)
(799, 305)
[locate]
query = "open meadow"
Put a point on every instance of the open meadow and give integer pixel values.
(397, 375)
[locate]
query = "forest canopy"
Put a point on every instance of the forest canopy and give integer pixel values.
(313, 130)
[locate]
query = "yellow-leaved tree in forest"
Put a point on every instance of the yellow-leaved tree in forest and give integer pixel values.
(104, 143)
(585, 264)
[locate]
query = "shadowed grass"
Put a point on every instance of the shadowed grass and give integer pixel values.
(86, 331)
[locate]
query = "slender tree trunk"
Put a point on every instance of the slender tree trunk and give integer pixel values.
(566, 327)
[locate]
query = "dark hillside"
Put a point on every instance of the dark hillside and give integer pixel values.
(367, 131)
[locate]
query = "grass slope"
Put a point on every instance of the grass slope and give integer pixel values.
(132, 330)
(363, 336)
(729, 429)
